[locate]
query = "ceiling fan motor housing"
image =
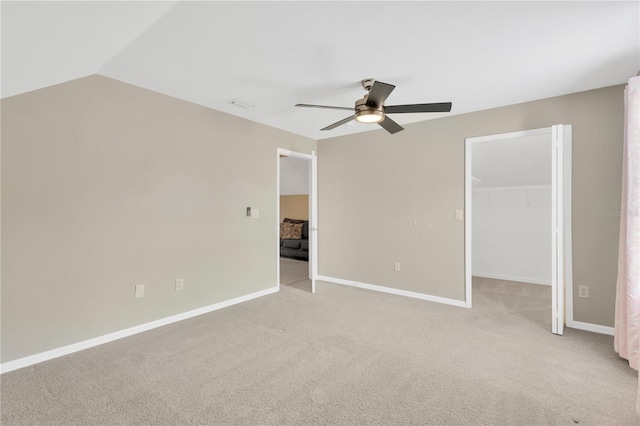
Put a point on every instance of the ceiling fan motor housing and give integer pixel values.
(368, 114)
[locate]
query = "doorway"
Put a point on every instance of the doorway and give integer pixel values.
(297, 205)
(518, 215)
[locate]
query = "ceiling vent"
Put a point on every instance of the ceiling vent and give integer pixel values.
(241, 104)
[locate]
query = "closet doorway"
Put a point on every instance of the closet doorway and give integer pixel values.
(518, 218)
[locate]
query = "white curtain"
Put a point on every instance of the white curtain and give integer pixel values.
(627, 326)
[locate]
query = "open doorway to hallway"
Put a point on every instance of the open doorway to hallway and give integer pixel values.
(295, 202)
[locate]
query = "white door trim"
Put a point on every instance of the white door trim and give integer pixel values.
(313, 212)
(468, 192)
(568, 234)
(313, 220)
(565, 212)
(557, 265)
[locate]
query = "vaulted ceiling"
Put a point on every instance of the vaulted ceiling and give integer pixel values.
(272, 55)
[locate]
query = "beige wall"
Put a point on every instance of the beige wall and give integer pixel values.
(294, 207)
(105, 186)
(373, 186)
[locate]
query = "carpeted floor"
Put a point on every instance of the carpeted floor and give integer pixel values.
(342, 356)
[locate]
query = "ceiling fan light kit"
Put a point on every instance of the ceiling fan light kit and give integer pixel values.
(367, 114)
(370, 116)
(371, 108)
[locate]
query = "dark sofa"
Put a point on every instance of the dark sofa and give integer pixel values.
(296, 249)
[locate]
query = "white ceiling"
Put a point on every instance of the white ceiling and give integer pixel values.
(273, 55)
(520, 161)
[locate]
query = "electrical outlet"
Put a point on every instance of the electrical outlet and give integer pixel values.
(583, 291)
(179, 284)
(396, 266)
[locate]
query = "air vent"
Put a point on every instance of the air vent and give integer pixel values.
(241, 104)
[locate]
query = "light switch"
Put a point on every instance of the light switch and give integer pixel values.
(255, 213)
(139, 290)
(458, 215)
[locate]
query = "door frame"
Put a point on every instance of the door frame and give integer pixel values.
(562, 290)
(313, 212)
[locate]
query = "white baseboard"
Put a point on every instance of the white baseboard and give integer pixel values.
(511, 278)
(75, 347)
(437, 299)
(594, 328)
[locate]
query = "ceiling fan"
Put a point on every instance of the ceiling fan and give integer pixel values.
(371, 108)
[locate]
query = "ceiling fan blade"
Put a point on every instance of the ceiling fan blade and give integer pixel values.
(390, 126)
(379, 93)
(339, 123)
(398, 109)
(324, 106)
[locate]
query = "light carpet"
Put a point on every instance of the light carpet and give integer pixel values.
(342, 356)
